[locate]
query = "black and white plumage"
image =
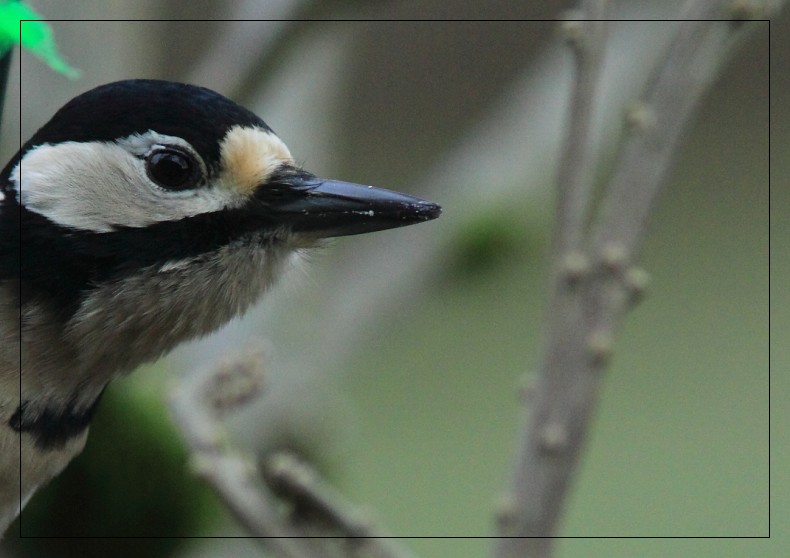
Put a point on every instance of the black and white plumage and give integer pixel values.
(143, 214)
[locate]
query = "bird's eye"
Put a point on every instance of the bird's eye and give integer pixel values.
(172, 169)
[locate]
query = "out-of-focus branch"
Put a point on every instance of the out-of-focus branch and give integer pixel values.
(196, 405)
(264, 33)
(595, 279)
(5, 64)
(532, 505)
(316, 506)
(585, 31)
(285, 505)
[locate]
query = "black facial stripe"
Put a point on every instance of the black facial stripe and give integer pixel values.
(53, 427)
(10, 214)
(59, 265)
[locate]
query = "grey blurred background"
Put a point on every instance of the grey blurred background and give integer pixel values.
(394, 358)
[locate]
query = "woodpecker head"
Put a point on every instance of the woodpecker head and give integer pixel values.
(143, 214)
(146, 212)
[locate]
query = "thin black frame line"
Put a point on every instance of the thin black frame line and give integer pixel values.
(647, 537)
(769, 279)
(19, 287)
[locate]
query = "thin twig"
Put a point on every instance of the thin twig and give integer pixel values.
(594, 279)
(195, 405)
(320, 522)
(585, 30)
(317, 505)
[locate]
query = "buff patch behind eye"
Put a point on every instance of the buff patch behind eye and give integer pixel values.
(249, 156)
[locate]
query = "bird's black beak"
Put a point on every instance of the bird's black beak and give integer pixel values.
(325, 208)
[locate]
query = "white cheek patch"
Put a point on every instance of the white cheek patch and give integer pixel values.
(97, 186)
(248, 156)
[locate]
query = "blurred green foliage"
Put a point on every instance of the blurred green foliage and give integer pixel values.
(489, 240)
(21, 25)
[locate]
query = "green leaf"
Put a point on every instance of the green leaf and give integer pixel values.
(36, 36)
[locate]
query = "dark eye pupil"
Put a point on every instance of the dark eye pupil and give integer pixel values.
(172, 170)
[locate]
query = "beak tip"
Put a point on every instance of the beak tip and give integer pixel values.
(427, 211)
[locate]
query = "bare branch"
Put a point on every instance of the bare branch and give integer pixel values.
(586, 35)
(594, 278)
(309, 519)
(195, 405)
(324, 511)
(527, 510)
